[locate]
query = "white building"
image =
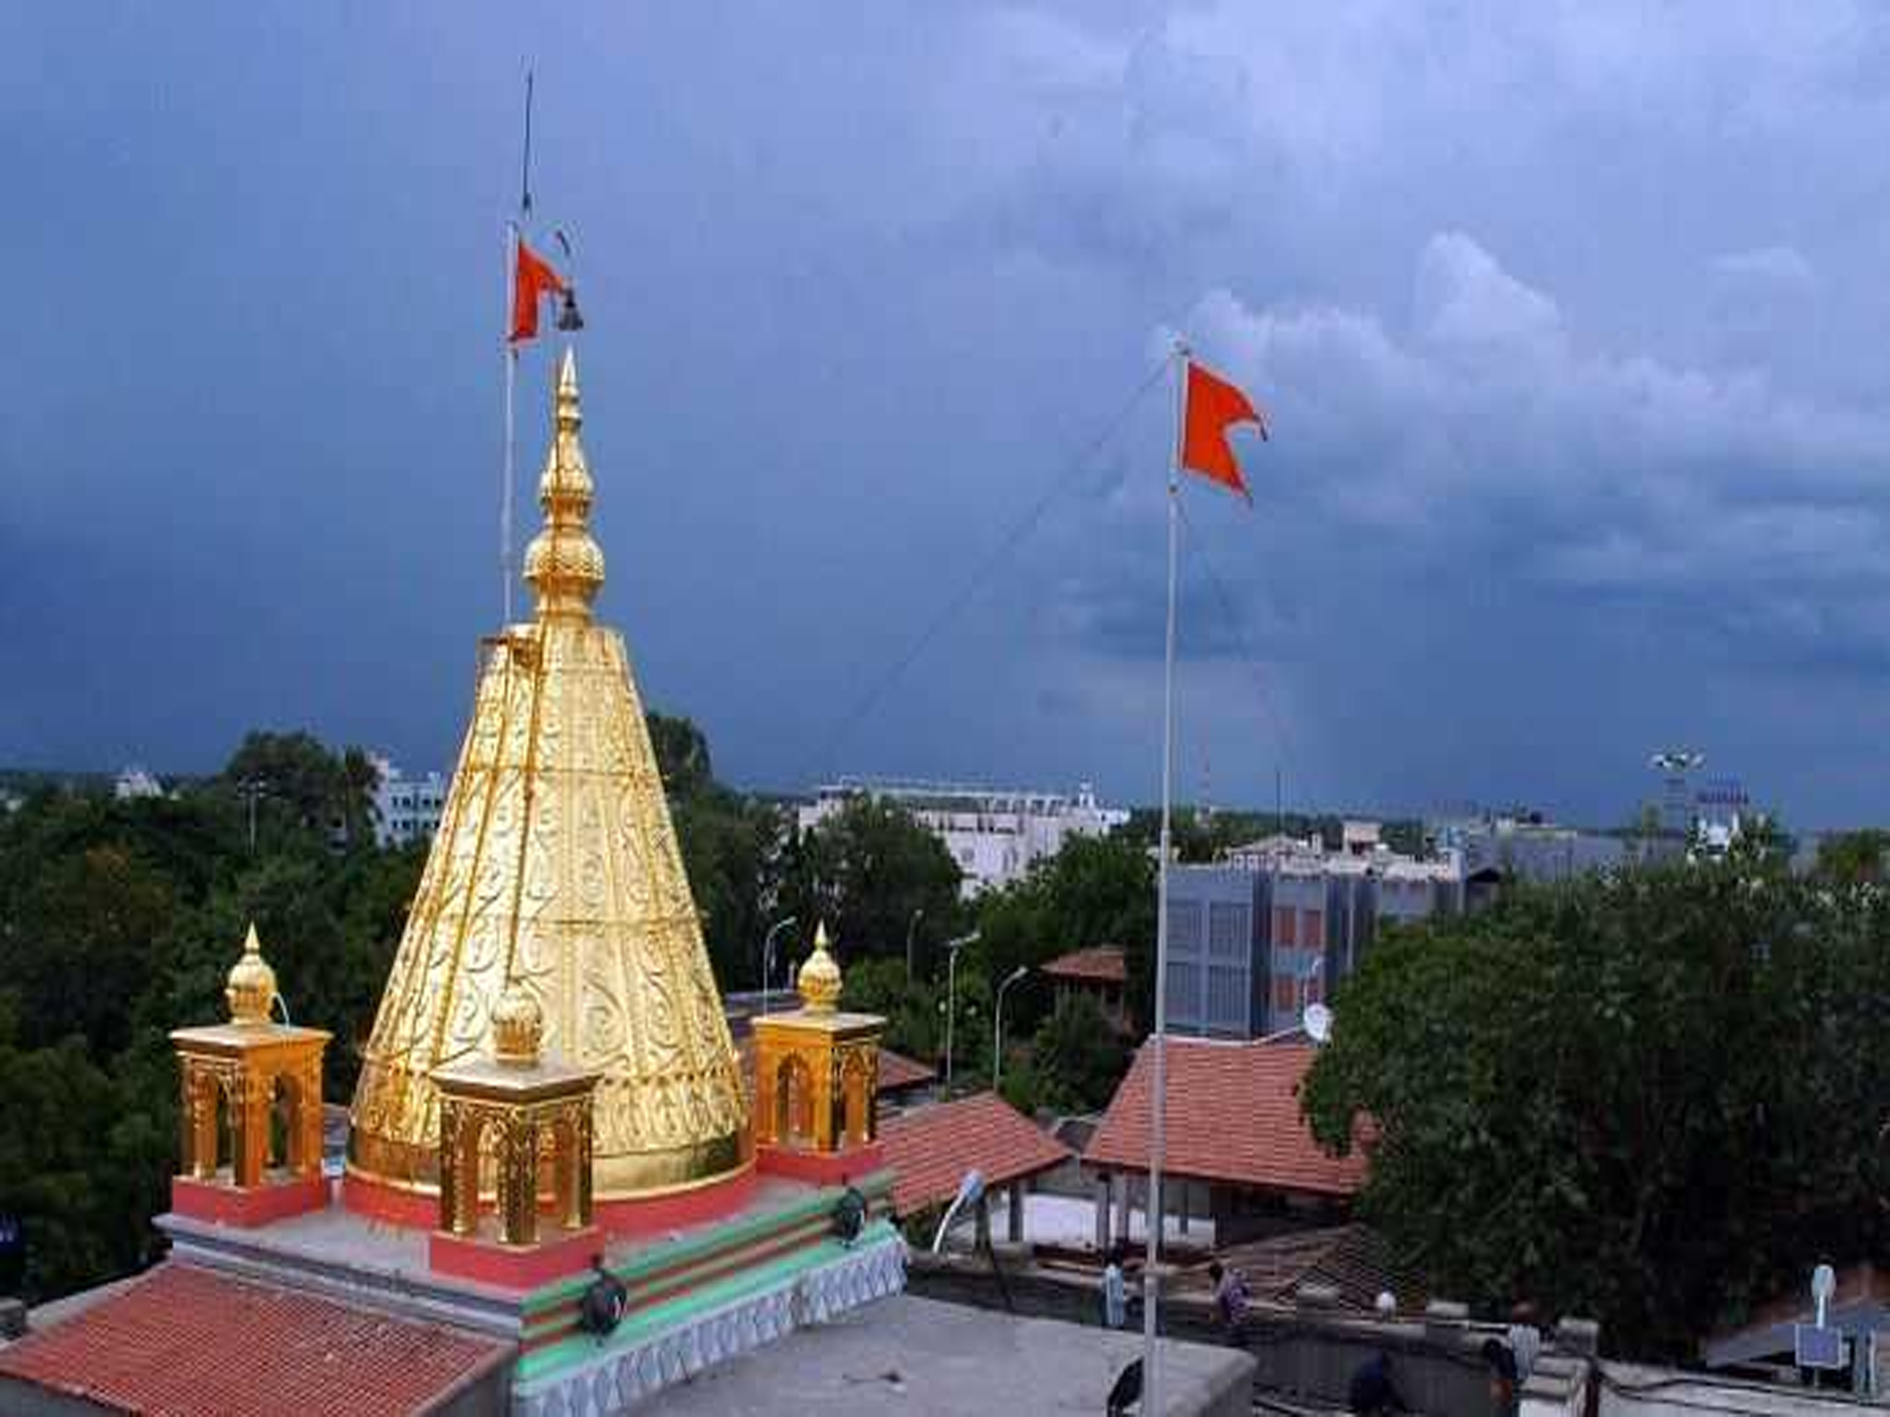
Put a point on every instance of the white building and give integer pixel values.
(406, 809)
(134, 784)
(994, 836)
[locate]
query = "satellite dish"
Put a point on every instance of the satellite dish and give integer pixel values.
(1317, 1021)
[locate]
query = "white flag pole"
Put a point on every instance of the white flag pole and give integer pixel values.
(1152, 1211)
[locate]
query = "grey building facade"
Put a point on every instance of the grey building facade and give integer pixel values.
(1248, 949)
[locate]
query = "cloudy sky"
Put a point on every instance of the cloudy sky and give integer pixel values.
(1569, 320)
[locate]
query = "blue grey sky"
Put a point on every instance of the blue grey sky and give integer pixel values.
(1569, 319)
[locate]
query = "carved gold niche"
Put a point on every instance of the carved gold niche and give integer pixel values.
(816, 1068)
(253, 1082)
(530, 1117)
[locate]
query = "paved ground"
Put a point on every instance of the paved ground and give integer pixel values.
(923, 1358)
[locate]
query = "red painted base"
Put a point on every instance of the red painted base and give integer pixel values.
(413, 1209)
(659, 1214)
(514, 1266)
(249, 1206)
(820, 1168)
(656, 1215)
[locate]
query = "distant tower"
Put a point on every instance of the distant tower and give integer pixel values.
(1676, 765)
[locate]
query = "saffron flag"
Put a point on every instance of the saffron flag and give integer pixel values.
(532, 282)
(1212, 406)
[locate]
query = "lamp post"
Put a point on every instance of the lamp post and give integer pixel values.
(911, 925)
(952, 947)
(997, 1026)
(767, 957)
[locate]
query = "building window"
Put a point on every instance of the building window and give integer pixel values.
(1184, 991)
(1284, 920)
(1184, 925)
(1312, 928)
(1285, 995)
(1224, 998)
(1227, 929)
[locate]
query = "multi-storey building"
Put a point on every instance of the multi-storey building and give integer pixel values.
(1279, 922)
(406, 809)
(994, 836)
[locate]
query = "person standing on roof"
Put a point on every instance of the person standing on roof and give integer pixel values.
(1115, 1293)
(1230, 1296)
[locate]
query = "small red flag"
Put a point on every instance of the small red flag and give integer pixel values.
(1212, 407)
(534, 280)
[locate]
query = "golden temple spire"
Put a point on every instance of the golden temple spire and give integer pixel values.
(819, 980)
(563, 564)
(554, 916)
(251, 987)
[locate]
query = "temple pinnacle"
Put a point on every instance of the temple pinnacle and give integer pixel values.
(563, 564)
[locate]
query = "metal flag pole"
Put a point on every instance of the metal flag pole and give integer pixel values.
(513, 235)
(1152, 1211)
(509, 354)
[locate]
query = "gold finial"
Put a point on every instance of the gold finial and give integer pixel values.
(251, 988)
(819, 979)
(518, 1027)
(563, 564)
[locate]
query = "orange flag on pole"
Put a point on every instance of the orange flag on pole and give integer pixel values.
(532, 282)
(1212, 406)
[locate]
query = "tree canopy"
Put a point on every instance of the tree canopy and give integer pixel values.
(1654, 1099)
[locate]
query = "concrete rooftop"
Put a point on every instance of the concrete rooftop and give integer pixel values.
(925, 1358)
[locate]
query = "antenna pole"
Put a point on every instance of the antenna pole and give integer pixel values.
(1152, 1210)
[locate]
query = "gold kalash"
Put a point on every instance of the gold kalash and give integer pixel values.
(556, 869)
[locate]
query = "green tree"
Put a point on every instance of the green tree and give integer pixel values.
(682, 755)
(1098, 890)
(1650, 1098)
(1072, 1064)
(865, 870)
(1854, 858)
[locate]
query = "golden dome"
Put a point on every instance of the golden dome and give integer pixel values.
(564, 564)
(251, 988)
(556, 868)
(518, 1026)
(819, 979)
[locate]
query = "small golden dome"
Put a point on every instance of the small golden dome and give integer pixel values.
(518, 1026)
(819, 979)
(251, 988)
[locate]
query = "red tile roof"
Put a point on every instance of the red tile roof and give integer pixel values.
(1351, 1258)
(1232, 1116)
(1099, 964)
(184, 1341)
(931, 1148)
(897, 1071)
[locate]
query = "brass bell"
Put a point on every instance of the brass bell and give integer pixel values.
(568, 317)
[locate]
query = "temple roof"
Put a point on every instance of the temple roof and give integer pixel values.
(182, 1341)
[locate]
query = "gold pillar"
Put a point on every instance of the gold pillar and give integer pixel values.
(834, 1056)
(515, 1097)
(239, 1065)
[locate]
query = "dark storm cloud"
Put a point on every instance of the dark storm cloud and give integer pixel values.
(1567, 317)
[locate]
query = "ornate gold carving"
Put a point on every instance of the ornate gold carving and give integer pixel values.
(232, 1072)
(556, 866)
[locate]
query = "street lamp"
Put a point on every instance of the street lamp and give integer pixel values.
(997, 1026)
(911, 925)
(767, 957)
(952, 947)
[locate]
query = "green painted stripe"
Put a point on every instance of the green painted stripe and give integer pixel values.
(565, 1315)
(687, 1249)
(545, 1362)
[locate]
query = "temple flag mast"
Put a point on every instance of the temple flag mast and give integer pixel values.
(1206, 406)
